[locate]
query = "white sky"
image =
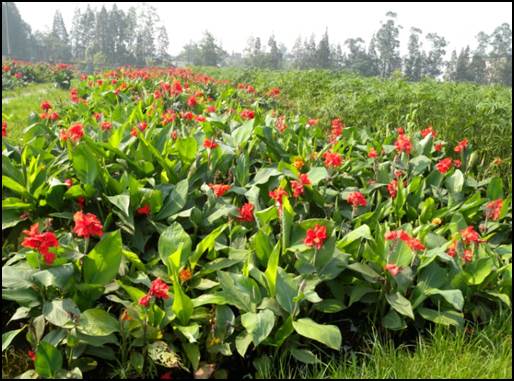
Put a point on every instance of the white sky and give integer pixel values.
(234, 23)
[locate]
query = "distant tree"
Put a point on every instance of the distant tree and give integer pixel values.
(16, 33)
(414, 60)
(434, 61)
(451, 67)
(163, 43)
(478, 65)
(323, 53)
(501, 55)
(275, 54)
(211, 53)
(388, 44)
(462, 71)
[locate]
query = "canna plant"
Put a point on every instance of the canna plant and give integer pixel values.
(164, 219)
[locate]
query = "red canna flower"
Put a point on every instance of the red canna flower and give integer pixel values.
(159, 289)
(493, 208)
(316, 237)
(210, 143)
(247, 114)
(246, 212)
(403, 143)
(452, 249)
(106, 126)
(18, 75)
(415, 244)
(457, 163)
(298, 163)
(45, 106)
(470, 235)
(32, 355)
(250, 89)
(176, 88)
(41, 242)
(400, 131)
(200, 118)
(392, 188)
(356, 199)
(53, 116)
(219, 189)
(157, 94)
(191, 101)
(144, 210)
(188, 115)
(297, 188)
(304, 178)
(277, 195)
(461, 146)
(467, 255)
(393, 269)
(337, 129)
(438, 147)
(76, 132)
(281, 124)
(274, 92)
(81, 200)
(4, 128)
(98, 116)
(312, 122)
(428, 130)
(185, 275)
(397, 235)
(372, 153)
(444, 165)
(87, 225)
(145, 300)
(174, 134)
(332, 159)
(68, 182)
(211, 108)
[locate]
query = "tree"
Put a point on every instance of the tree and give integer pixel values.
(275, 54)
(16, 33)
(323, 53)
(210, 52)
(462, 72)
(501, 55)
(435, 59)
(414, 60)
(451, 68)
(388, 44)
(163, 43)
(478, 65)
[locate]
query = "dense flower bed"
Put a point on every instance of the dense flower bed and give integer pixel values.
(19, 73)
(162, 219)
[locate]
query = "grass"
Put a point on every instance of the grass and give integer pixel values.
(17, 105)
(443, 353)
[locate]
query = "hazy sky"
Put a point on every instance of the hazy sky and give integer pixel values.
(233, 23)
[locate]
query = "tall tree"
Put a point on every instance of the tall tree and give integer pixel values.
(16, 33)
(323, 53)
(163, 44)
(462, 72)
(414, 60)
(388, 45)
(501, 55)
(275, 55)
(435, 58)
(211, 53)
(478, 65)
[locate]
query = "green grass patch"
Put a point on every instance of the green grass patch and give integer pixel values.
(483, 352)
(19, 103)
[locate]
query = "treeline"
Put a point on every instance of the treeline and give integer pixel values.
(97, 37)
(136, 37)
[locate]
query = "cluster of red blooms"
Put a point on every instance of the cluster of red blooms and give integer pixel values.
(274, 92)
(210, 143)
(444, 165)
(158, 288)
(392, 268)
(392, 188)
(337, 129)
(106, 126)
(316, 237)
(403, 143)
(357, 199)
(168, 117)
(191, 101)
(246, 212)
(277, 195)
(141, 125)
(312, 122)
(144, 210)
(493, 208)
(332, 159)
(219, 189)
(281, 124)
(461, 146)
(41, 242)
(87, 225)
(297, 186)
(469, 236)
(247, 114)
(4, 128)
(74, 95)
(402, 235)
(372, 154)
(429, 130)
(211, 108)
(74, 133)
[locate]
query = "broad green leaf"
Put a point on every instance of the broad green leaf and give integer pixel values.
(359, 233)
(400, 304)
(101, 265)
(121, 201)
(187, 148)
(9, 336)
(55, 276)
(305, 356)
(170, 240)
(393, 321)
(182, 304)
(495, 189)
(258, 325)
(193, 354)
(48, 360)
(61, 313)
(317, 174)
(454, 297)
(263, 174)
(442, 317)
(325, 334)
(243, 134)
(97, 322)
(272, 268)
(207, 243)
(175, 202)
(239, 291)
(85, 164)
(455, 182)
(286, 290)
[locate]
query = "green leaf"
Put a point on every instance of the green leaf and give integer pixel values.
(305, 356)
(239, 291)
(85, 164)
(393, 321)
(175, 202)
(60, 312)
(442, 317)
(192, 353)
(359, 233)
(170, 240)
(258, 325)
(286, 290)
(272, 269)
(55, 276)
(454, 297)
(455, 182)
(101, 265)
(122, 202)
(8, 337)
(242, 342)
(400, 304)
(495, 189)
(263, 174)
(325, 334)
(97, 322)
(244, 133)
(187, 148)
(13, 185)
(182, 304)
(207, 243)
(48, 360)
(317, 174)
(365, 270)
